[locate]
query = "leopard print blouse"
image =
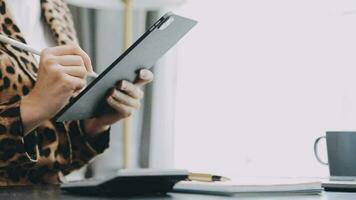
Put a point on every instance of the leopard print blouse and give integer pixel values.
(53, 149)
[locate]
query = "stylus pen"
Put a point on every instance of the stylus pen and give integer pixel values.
(206, 177)
(25, 47)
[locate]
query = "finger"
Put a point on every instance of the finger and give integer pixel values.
(130, 89)
(76, 93)
(125, 99)
(72, 50)
(75, 83)
(123, 110)
(87, 62)
(70, 60)
(64, 50)
(145, 76)
(75, 71)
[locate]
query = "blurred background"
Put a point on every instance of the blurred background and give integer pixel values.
(245, 93)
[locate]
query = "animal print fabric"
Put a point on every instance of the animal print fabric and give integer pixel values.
(53, 149)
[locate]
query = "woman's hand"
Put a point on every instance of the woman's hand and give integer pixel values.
(124, 99)
(62, 73)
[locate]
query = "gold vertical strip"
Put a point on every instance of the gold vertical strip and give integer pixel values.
(127, 23)
(127, 42)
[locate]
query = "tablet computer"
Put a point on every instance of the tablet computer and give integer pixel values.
(144, 53)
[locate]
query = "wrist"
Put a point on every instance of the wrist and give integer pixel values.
(32, 114)
(93, 127)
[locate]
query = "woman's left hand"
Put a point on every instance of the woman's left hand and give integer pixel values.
(124, 99)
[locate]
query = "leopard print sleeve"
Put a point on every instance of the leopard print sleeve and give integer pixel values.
(85, 148)
(15, 147)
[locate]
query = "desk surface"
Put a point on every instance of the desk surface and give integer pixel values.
(54, 193)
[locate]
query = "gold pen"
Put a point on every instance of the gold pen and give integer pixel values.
(206, 177)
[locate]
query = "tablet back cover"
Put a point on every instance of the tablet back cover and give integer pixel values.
(144, 53)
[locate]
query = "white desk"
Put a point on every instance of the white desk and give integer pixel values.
(323, 196)
(54, 193)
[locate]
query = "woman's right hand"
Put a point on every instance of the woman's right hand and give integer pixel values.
(62, 74)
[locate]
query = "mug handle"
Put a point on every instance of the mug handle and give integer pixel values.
(316, 150)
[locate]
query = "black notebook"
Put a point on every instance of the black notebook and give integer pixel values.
(129, 182)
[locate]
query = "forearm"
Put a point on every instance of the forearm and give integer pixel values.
(32, 115)
(84, 146)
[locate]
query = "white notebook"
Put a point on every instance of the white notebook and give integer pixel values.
(250, 186)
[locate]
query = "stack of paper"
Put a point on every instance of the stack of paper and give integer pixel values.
(264, 186)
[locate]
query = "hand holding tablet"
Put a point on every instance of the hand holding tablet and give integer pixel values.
(159, 38)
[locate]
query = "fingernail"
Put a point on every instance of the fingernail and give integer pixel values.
(123, 85)
(143, 74)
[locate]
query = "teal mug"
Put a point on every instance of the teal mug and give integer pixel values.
(341, 152)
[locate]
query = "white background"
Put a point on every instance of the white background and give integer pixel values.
(260, 80)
